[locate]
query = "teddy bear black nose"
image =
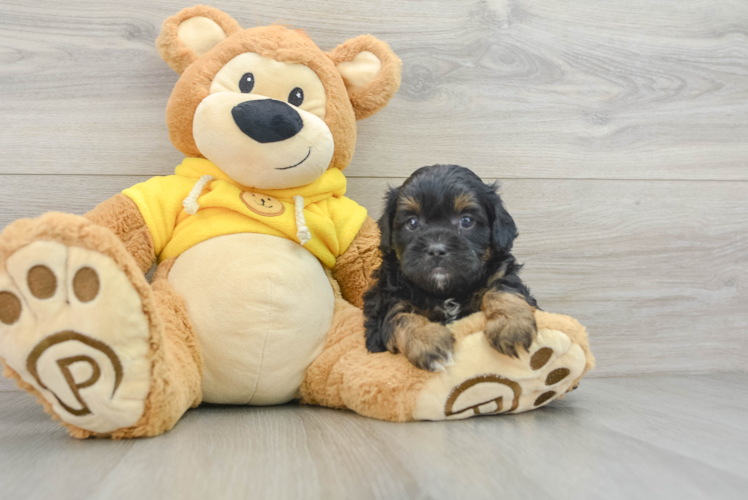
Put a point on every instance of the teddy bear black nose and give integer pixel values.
(267, 120)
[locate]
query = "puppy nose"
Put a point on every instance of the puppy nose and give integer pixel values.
(267, 120)
(437, 250)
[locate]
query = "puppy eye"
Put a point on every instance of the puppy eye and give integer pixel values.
(247, 83)
(412, 223)
(467, 222)
(296, 97)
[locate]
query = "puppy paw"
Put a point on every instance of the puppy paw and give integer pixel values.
(506, 333)
(510, 322)
(430, 347)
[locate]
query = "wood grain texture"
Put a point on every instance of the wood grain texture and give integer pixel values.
(512, 88)
(7, 385)
(643, 437)
(656, 270)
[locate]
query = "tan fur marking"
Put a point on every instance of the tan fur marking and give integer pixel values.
(409, 203)
(511, 322)
(487, 255)
(42, 282)
(498, 274)
(421, 341)
(463, 201)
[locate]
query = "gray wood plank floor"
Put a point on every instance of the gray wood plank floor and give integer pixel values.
(638, 437)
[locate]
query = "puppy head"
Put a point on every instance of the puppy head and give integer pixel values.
(444, 224)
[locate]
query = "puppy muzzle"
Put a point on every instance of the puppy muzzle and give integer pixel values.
(434, 248)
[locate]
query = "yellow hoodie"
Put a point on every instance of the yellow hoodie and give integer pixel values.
(226, 207)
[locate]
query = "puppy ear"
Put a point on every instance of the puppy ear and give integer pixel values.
(370, 71)
(388, 219)
(503, 228)
(191, 33)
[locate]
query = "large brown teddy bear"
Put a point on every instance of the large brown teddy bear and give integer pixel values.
(262, 260)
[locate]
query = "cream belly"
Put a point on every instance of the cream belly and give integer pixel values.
(261, 307)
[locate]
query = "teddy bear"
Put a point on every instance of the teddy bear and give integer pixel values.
(262, 261)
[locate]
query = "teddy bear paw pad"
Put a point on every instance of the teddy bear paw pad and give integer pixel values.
(485, 382)
(72, 326)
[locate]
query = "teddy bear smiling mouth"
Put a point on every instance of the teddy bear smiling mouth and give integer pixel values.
(302, 161)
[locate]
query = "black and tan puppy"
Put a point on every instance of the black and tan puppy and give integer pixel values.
(446, 242)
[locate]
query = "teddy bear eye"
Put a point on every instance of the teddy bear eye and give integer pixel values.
(247, 83)
(296, 97)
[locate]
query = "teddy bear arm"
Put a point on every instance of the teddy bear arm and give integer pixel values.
(120, 215)
(354, 267)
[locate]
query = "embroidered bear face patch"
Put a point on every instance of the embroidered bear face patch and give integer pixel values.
(262, 204)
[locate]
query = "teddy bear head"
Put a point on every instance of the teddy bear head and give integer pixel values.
(265, 104)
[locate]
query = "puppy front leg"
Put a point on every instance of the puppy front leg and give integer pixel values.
(509, 321)
(427, 345)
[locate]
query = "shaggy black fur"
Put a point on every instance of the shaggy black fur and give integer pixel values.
(446, 241)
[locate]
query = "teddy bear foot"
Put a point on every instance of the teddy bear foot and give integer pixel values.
(72, 324)
(484, 382)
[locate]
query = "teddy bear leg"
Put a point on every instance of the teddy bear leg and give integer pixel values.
(177, 364)
(483, 381)
(480, 382)
(80, 328)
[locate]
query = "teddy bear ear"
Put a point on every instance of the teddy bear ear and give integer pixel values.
(191, 33)
(371, 72)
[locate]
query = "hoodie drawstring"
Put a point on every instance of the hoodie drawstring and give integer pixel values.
(190, 203)
(302, 232)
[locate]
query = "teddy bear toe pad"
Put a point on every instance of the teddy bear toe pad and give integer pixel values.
(485, 382)
(72, 326)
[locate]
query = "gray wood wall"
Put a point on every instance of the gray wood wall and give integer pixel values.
(619, 130)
